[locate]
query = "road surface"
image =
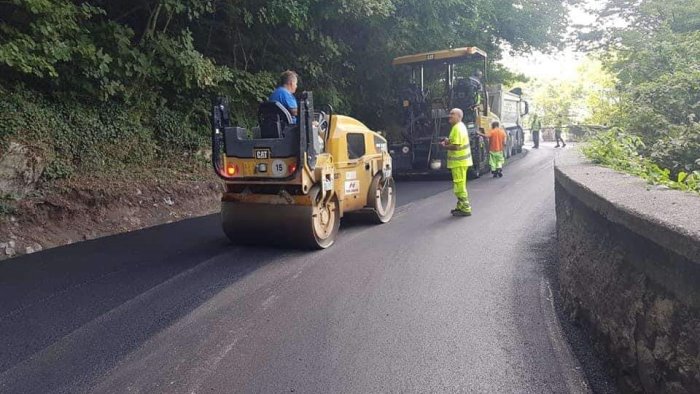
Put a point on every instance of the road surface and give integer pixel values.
(425, 303)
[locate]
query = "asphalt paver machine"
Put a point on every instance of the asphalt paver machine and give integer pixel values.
(434, 89)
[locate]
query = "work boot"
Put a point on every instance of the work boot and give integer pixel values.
(500, 172)
(459, 213)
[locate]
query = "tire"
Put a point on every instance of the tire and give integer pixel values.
(479, 157)
(381, 197)
(485, 168)
(474, 172)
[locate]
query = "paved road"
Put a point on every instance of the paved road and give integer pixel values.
(425, 303)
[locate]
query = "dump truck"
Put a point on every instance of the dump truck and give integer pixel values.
(510, 107)
(433, 89)
(291, 184)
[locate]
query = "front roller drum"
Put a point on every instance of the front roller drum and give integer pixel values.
(382, 198)
(296, 226)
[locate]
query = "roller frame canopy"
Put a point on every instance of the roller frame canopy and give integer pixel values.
(444, 56)
(297, 140)
(237, 144)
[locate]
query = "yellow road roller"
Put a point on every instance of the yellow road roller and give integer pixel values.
(290, 183)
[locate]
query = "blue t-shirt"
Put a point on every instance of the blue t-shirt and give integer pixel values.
(284, 97)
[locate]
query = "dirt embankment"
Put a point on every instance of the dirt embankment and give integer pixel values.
(83, 209)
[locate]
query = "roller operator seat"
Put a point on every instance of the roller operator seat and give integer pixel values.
(273, 119)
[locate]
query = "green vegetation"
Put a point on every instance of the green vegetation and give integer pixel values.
(657, 76)
(6, 207)
(620, 150)
(100, 85)
(589, 99)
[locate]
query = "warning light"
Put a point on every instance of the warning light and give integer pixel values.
(292, 168)
(231, 169)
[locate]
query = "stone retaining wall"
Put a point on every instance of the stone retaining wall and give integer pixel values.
(629, 270)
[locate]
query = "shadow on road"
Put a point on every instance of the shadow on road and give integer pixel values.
(89, 304)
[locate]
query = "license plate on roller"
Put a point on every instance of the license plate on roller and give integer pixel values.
(261, 154)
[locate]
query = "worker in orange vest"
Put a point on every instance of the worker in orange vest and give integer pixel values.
(497, 142)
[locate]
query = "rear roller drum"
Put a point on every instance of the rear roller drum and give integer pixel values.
(296, 226)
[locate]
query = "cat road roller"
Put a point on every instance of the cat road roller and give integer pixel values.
(290, 184)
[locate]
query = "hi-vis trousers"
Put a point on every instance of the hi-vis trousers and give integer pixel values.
(459, 183)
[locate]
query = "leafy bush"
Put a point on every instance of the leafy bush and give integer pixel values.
(679, 149)
(87, 138)
(175, 131)
(6, 205)
(621, 151)
(653, 57)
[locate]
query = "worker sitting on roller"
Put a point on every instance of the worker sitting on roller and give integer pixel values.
(284, 93)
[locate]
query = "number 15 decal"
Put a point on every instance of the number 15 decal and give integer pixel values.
(279, 168)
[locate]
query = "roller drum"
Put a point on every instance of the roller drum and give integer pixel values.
(296, 226)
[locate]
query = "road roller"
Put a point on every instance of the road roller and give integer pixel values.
(291, 182)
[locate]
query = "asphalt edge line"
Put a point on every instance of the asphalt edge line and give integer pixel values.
(571, 369)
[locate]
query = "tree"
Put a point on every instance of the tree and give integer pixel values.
(161, 61)
(652, 55)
